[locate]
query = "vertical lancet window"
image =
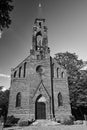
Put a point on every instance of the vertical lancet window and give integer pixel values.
(60, 100)
(40, 24)
(57, 72)
(18, 99)
(15, 74)
(24, 69)
(62, 75)
(20, 72)
(38, 57)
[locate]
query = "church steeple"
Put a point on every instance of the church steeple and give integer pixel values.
(40, 38)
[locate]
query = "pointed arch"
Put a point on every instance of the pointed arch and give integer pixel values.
(20, 71)
(40, 107)
(18, 99)
(15, 74)
(57, 72)
(39, 33)
(62, 75)
(60, 100)
(24, 75)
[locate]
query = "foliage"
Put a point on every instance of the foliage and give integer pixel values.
(77, 79)
(68, 121)
(78, 122)
(4, 98)
(11, 120)
(71, 63)
(1, 87)
(24, 122)
(5, 9)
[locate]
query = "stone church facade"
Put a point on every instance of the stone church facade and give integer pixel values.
(39, 87)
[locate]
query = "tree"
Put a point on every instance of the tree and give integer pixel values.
(82, 84)
(4, 99)
(71, 63)
(1, 87)
(5, 9)
(77, 79)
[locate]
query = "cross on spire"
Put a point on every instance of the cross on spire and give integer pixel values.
(39, 5)
(39, 10)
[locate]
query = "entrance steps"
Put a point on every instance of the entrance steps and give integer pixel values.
(44, 123)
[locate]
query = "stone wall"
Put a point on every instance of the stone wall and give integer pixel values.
(35, 84)
(60, 85)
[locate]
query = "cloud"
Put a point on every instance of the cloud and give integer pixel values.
(0, 33)
(4, 76)
(4, 89)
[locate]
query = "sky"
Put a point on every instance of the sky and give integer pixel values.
(67, 31)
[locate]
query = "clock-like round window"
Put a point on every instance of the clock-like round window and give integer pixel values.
(39, 69)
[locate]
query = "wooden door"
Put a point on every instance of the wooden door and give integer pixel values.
(40, 110)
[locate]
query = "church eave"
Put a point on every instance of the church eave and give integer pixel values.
(25, 60)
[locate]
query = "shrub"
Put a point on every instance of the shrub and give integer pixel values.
(23, 122)
(68, 121)
(78, 122)
(11, 120)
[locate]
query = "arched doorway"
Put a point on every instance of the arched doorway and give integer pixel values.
(40, 107)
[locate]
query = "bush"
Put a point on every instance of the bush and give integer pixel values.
(25, 122)
(11, 121)
(78, 122)
(68, 121)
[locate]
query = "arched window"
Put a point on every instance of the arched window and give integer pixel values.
(20, 71)
(18, 99)
(24, 69)
(38, 57)
(57, 72)
(60, 100)
(62, 75)
(15, 74)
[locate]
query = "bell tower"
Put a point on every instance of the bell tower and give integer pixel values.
(40, 47)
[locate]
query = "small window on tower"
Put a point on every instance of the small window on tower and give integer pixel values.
(40, 24)
(38, 57)
(35, 28)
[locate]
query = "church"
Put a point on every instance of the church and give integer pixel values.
(39, 85)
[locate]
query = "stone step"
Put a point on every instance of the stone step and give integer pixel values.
(44, 123)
